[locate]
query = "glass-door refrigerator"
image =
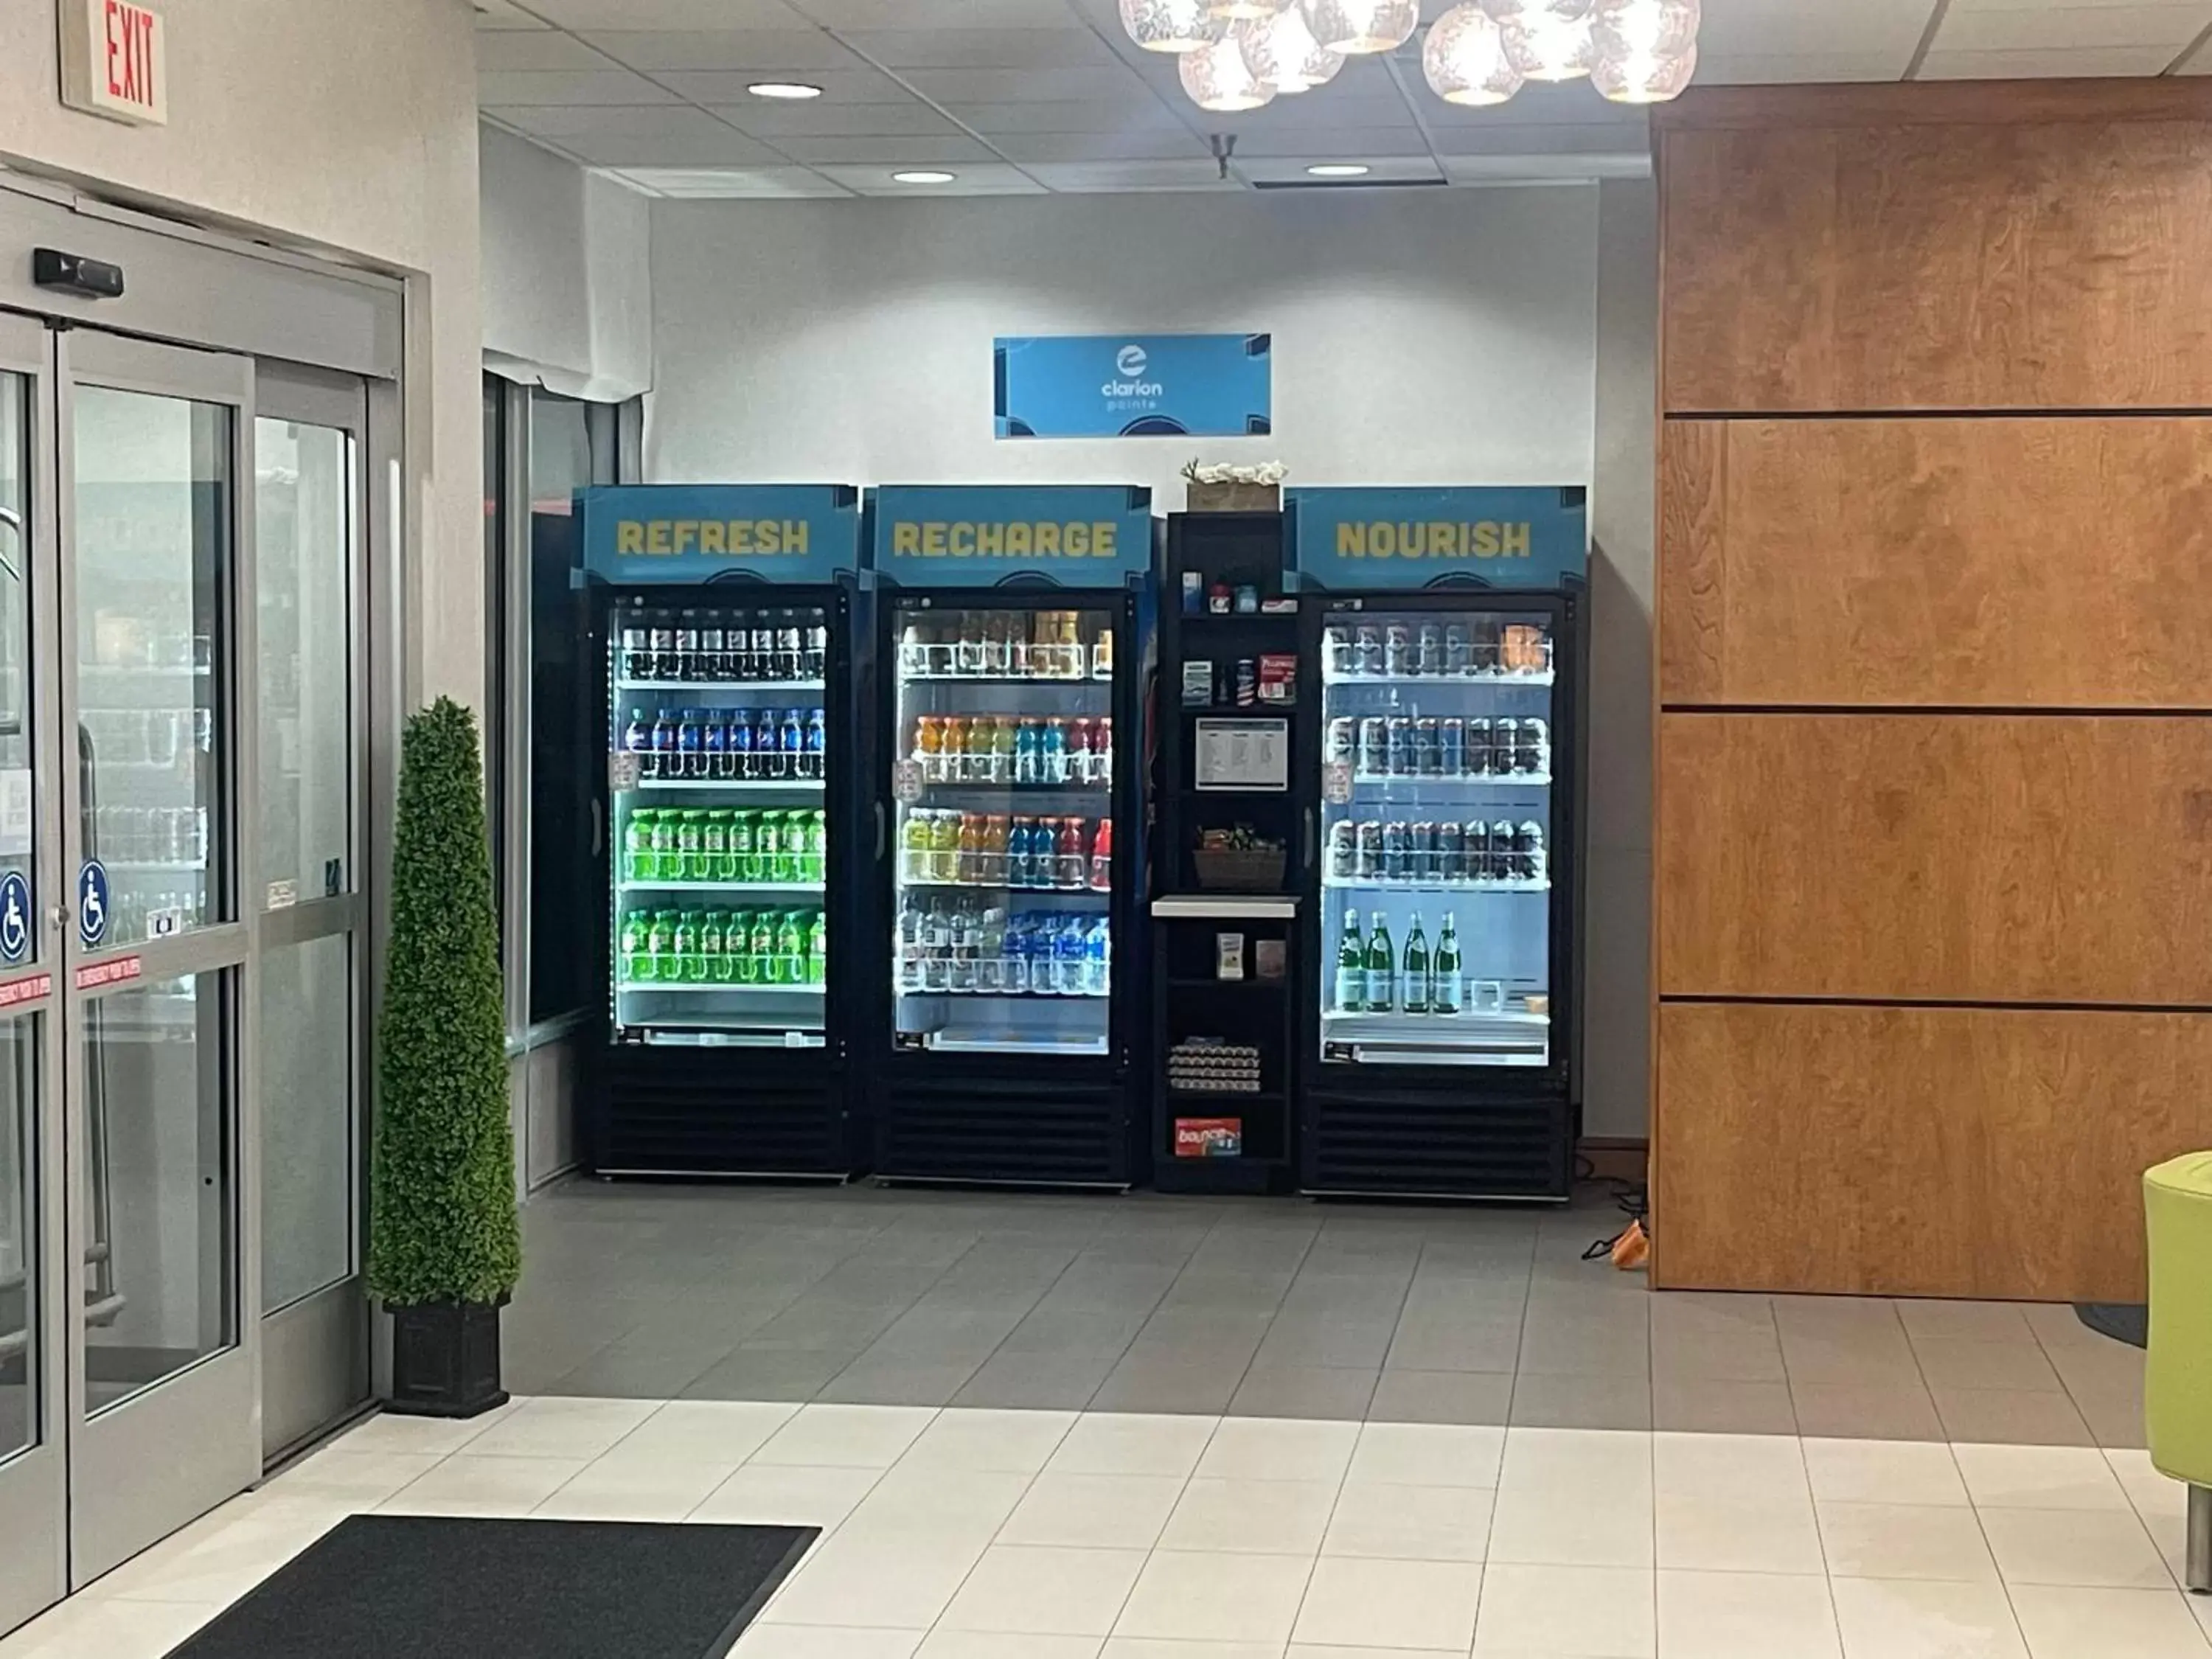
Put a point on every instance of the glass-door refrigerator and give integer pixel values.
(1444, 635)
(723, 621)
(1010, 757)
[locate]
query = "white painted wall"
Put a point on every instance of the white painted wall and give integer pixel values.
(1421, 337)
(568, 301)
(338, 125)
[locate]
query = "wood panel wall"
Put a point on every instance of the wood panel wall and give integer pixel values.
(1933, 882)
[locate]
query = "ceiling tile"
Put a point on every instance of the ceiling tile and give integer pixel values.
(2170, 27)
(1786, 28)
(1082, 178)
(857, 86)
(991, 119)
(727, 49)
(540, 50)
(725, 183)
(1315, 110)
(992, 179)
(891, 151)
(1046, 86)
(1548, 140)
(703, 148)
(1027, 147)
(669, 14)
(1576, 104)
(972, 48)
(596, 87)
(1544, 169)
(1791, 68)
(767, 119)
(2050, 62)
(1338, 143)
(845, 15)
(607, 121)
(1382, 170)
(500, 15)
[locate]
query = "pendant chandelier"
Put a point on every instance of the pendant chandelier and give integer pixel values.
(1239, 54)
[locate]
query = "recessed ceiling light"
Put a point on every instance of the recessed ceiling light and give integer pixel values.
(1339, 170)
(791, 89)
(922, 178)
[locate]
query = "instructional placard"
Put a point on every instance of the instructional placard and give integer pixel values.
(1243, 754)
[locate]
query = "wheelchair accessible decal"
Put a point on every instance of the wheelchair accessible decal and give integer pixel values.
(92, 904)
(15, 916)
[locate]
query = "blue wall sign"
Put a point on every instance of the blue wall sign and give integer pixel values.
(1507, 536)
(980, 535)
(92, 904)
(640, 534)
(1134, 385)
(15, 916)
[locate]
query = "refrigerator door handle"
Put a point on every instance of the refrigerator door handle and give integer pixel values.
(879, 832)
(599, 826)
(1306, 840)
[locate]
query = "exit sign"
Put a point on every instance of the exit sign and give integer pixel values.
(115, 61)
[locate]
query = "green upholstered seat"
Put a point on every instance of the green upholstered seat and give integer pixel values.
(2178, 1375)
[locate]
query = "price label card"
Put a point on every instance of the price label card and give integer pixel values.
(623, 770)
(1336, 783)
(906, 781)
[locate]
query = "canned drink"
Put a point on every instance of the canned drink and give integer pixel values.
(1501, 850)
(1486, 650)
(1399, 733)
(1343, 850)
(1343, 740)
(1397, 649)
(1367, 852)
(1474, 850)
(1458, 658)
(1428, 748)
(1421, 852)
(1394, 853)
(1339, 652)
(1532, 754)
(1451, 853)
(1527, 851)
(1451, 747)
(1369, 641)
(1374, 746)
(1504, 746)
(1478, 748)
(1428, 650)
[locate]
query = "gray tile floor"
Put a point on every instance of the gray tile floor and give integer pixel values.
(1262, 1308)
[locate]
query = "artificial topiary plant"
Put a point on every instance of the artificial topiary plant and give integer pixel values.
(443, 1227)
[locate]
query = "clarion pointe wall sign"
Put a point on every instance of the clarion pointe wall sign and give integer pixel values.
(115, 61)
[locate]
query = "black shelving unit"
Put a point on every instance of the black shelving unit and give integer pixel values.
(1189, 999)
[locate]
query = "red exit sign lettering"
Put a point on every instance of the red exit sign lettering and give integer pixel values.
(115, 61)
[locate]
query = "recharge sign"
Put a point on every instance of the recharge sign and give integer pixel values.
(1505, 537)
(1085, 536)
(641, 534)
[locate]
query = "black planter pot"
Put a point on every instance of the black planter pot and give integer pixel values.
(444, 1359)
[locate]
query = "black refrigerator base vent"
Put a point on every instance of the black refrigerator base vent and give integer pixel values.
(700, 1119)
(1411, 1147)
(1069, 1138)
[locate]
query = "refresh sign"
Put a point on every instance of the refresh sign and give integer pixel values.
(1153, 385)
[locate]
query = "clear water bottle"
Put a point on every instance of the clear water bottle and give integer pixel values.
(1068, 952)
(1097, 958)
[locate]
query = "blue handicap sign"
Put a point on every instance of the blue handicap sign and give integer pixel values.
(92, 904)
(15, 916)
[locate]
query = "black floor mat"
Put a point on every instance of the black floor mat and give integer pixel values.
(427, 1587)
(2124, 1321)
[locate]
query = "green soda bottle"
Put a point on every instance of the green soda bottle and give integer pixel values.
(636, 961)
(789, 966)
(714, 850)
(738, 948)
(667, 863)
(744, 834)
(722, 964)
(712, 954)
(637, 847)
(691, 847)
(817, 948)
(764, 950)
(818, 845)
(661, 948)
(689, 967)
(767, 841)
(791, 848)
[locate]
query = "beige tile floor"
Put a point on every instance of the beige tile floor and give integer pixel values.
(977, 1533)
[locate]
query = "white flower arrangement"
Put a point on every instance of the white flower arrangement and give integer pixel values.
(1266, 472)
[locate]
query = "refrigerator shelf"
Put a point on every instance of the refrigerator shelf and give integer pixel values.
(907, 886)
(739, 785)
(1525, 677)
(1379, 885)
(735, 1037)
(1384, 1028)
(1104, 682)
(1001, 787)
(1478, 780)
(1004, 996)
(951, 1043)
(727, 988)
(651, 885)
(747, 686)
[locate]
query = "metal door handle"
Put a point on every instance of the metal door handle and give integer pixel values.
(598, 827)
(879, 832)
(1306, 840)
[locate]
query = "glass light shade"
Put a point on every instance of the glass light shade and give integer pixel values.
(1171, 25)
(1465, 60)
(1282, 51)
(1357, 27)
(1245, 10)
(1642, 79)
(1518, 11)
(1624, 29)
(1218, 78)
(1547, 46)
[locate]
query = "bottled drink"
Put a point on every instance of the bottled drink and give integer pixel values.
(687, 648)
(790, 950)
(664, 763)
(1079, 751)
(1101, 655)
(990, 952)
(713, 654)
(1382, 967)
(817, 749)
(928, 751)
(637, 847)
(767, 846)
(738, 746)
(691, 744)
(815, 867)
(1068, 950)
(1014, 955)
(1416, 997)
(1002, 749)
(743, 861)
(914, 845)
(712, 962)
(1019, 846)
(1052, 761)
(817, 950)
(1029, 752)
(714, 846)
(996, 832)
(909, 947)
(637, 738)
(1069, 869)
(816, 665)
(1350, 968)
(1097, 958)
(1101, 857)
(760, 946)
(662, 964)
(791, 848)
(788, 648)
(1101, 750)
(1446, 992)
(689, 966)
(636, 957)
(968, 644)
(791, 746)
(761, 654)
(690, 847)
(944, 847)
(637, 659)
(999, 645)
(661, 651)
(971, 848)
(764, 755)
(667, 858)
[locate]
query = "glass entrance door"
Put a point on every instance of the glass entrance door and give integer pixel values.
(154, 446)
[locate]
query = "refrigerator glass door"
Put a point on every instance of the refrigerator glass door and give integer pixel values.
(1436, 828)
(720, 845)
(1002, 780)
